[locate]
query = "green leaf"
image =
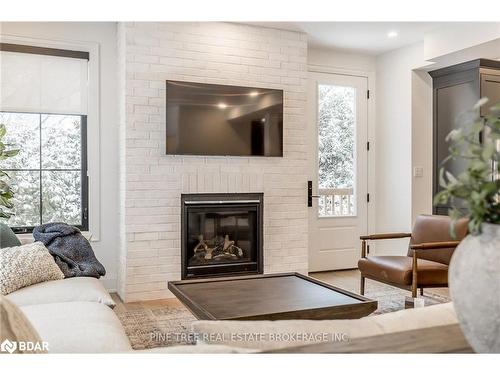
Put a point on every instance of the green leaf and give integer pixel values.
(10, 153)
(454, 135)
(450, 177)
(488, 151)
(442, 181)
(481, 102)
(441, 197)
(6, 193)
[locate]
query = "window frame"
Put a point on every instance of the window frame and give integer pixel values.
(84, 185)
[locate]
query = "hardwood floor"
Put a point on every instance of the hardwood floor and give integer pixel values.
(142, 305)
(348, 279)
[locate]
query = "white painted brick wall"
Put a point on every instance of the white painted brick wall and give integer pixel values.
(152, 182)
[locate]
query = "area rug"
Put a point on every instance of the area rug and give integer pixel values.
(165, 326)
(393, 299)
(158, 327)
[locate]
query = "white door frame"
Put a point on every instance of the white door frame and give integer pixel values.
(371, 178)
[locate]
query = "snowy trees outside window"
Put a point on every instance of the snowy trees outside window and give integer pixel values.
(46, 175)
(336, 147)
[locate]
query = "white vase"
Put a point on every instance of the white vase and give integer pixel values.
(474, 278)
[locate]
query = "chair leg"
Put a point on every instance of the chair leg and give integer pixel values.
(362, 286)
(414, 283)
(421, 291)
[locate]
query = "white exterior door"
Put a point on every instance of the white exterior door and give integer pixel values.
(338, 125)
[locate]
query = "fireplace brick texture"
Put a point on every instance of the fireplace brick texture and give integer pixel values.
(151, 182)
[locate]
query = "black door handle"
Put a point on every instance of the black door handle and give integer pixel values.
(310, 195)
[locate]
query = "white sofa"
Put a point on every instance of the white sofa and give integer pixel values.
(75, 316)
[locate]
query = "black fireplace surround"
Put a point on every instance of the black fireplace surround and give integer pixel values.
(221, 234)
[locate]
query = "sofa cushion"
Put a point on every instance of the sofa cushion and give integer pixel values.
(83, 289)
(417, 318)
(15, 329)
(267, 335)
(7, 237)
(26, 265)
(78, 327)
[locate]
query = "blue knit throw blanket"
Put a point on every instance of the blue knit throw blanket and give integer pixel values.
(70, 249)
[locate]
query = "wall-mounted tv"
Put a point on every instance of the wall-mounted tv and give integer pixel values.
(207, 119)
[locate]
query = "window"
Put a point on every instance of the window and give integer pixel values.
(49, 175)
(336, 146)
(43, 106)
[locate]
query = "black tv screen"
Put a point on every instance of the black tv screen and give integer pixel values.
(206, 119)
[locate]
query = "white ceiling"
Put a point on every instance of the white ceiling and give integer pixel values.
(363, 37)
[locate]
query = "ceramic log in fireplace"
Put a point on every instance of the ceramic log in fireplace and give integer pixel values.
(221, 234)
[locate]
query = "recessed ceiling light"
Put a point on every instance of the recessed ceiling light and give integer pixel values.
(222, 105)
(392, 34)
(253, 93)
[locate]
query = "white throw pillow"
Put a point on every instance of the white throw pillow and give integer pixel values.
(26, 265)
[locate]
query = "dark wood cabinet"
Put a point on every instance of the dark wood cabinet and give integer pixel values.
(490, 88)
(456, 89)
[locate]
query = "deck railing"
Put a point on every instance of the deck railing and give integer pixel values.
(336, 202)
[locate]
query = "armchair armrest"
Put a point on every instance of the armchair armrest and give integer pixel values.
(434, 245)
(379, 236)
(384, 236)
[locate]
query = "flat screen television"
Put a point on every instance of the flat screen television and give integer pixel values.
(207, 119)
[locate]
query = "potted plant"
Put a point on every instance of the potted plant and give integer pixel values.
(6, 192)
(474, 273)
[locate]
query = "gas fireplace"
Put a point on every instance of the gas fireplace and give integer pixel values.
(221, 234)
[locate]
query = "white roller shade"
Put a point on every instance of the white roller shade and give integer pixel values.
(43, 84)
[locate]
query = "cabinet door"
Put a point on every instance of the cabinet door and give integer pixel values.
(449, 102)
(490, 88)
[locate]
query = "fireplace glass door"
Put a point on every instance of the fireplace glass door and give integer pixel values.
(220, 236)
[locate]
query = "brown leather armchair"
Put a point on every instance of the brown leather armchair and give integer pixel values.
(426, 263)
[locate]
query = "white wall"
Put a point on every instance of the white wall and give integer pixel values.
(341, 59)
(421, 153)
(104, 33)
(456, 37)
(394, 143)
(152, 182)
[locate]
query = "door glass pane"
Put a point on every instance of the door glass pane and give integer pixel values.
(336, 150)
